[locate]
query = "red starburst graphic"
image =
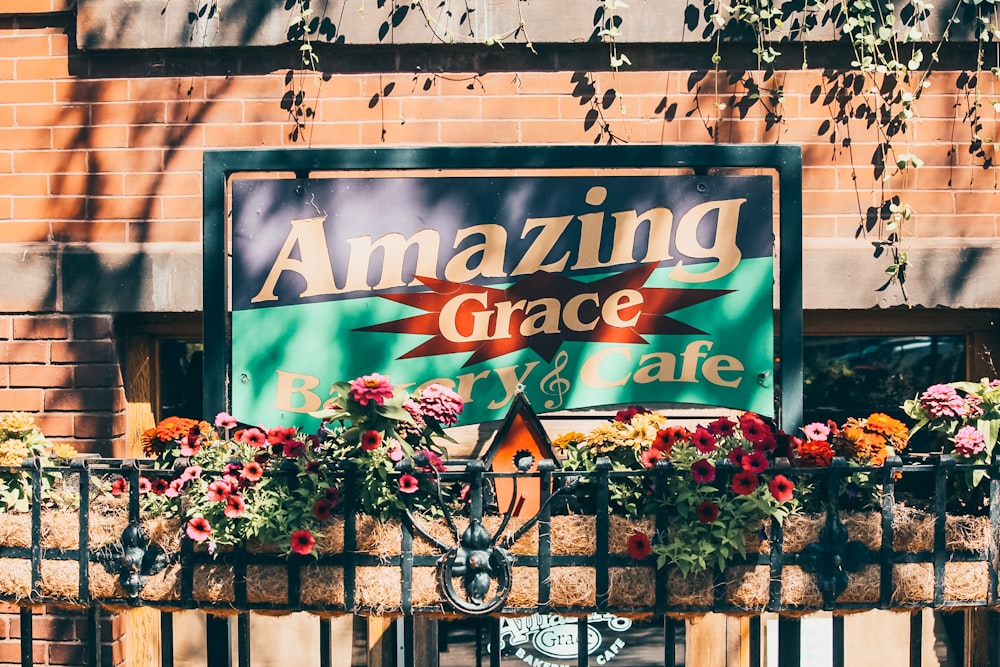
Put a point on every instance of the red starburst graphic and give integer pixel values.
(540, 312)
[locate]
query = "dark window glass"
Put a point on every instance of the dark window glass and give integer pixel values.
(180, 392)
(854, 376)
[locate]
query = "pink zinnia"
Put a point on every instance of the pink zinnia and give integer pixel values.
(199, 529)
(942, 400)
(969, 442)
(816, 431)
(372, 387)
(225, 420)
(408, 483)
(303, 542)
(441, 404)
(703, 471)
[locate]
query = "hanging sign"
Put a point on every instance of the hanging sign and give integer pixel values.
(586, 291)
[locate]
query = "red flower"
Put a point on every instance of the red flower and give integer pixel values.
(279, 435)
(252, 471)
(234, 506)
(159, 486)
(781, 488)
(303, 542)
(638, 546)
(218, 490)
(253, 436)
(650, 456)
(332, 496)
(703, 440)
(744, 482)
(753, 427)
(119, 486)
(371, 440)
(408, 483)
(321, 510)
(736, 457)
(722, 427)
(199, 529)
(755, 462)
(707, 511)
(293, 449)
(767, 442)
(703, 471)
(626, 415)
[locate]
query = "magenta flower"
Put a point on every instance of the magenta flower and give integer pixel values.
(396, 453)
(408, 483)
(703, 471)
(175, 488)
(372, 387)
(191, 472)
(145, 486)
(969, 442)
(225, 420)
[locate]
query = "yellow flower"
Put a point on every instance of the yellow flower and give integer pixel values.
(63, 450)
(12, 452)
(16, 422)
(567, 439)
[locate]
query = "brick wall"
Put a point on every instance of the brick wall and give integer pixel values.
(60, 637)
(101, 157)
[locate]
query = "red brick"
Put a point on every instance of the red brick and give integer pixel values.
(170, 182)
(92, 326)
(41, 69)
(76, 400)
(10, 652)
(98, 375)
(126, 160)
(40, 327)
(55, 425)
(6, 327)
(99, 426)
(46, 162)
(41, 376)
(62, 653)
(50, 208)
(5, 376)
(83, 351)
(89, 232)
(25, 138)
(128, 113)
(32, 352)
(172, 231)
(21, 400)
(61, 628)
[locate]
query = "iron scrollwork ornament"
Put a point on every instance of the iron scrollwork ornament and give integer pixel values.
(483, 565)
(832, 557)
(134, 559)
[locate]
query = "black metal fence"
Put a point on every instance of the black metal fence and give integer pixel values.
(134, 560)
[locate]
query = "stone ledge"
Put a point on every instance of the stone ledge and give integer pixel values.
(167, 278)
(140, 24)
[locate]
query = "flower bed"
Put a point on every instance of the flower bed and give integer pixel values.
(643, 518)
